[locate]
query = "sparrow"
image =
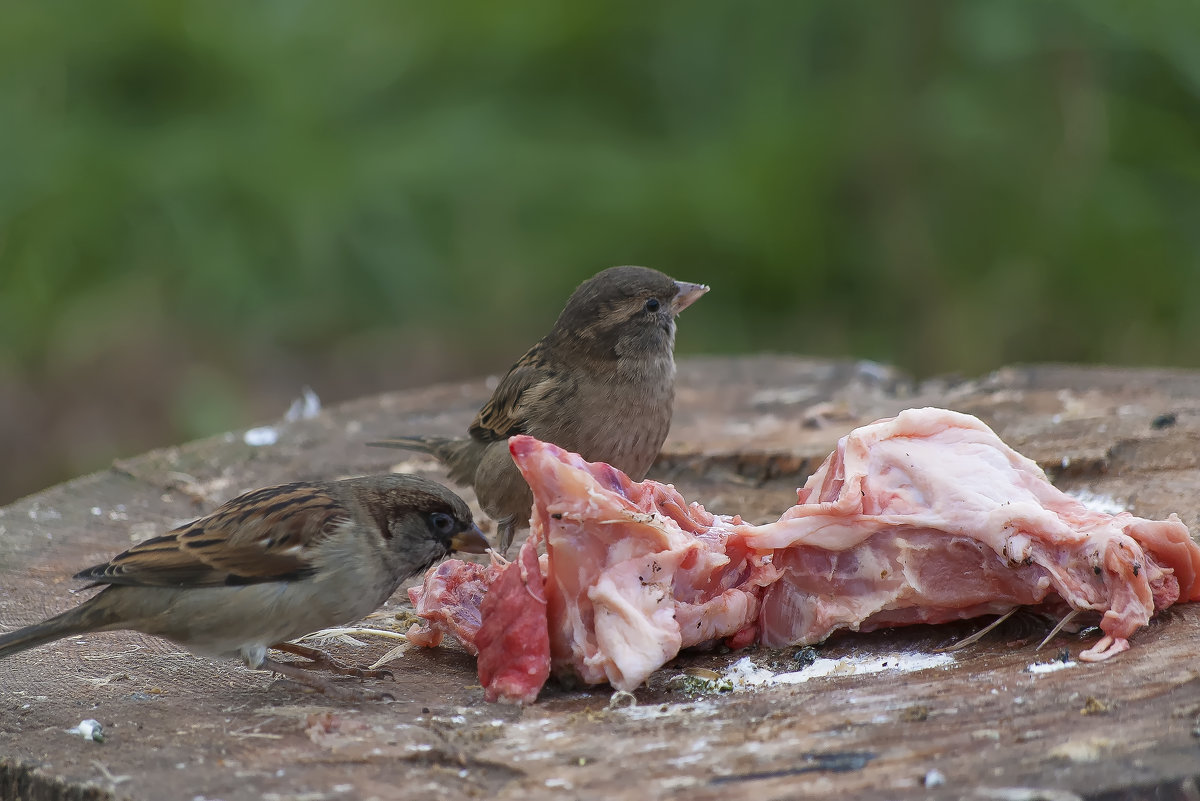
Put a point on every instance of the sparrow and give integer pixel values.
(269, 566)
(600, 384)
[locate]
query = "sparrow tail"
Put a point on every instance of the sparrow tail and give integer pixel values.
(86, 617)
(438, 447)
(460, 455)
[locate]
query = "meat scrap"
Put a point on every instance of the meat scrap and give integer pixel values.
(922, 518)
(449, 600)
(633, 572)
(513, 642)
(928, 517)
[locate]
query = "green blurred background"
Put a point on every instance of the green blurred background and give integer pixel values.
(205, 206)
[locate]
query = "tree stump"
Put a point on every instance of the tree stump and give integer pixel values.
(747, 432)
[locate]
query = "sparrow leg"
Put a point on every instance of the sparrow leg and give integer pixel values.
(322, 685)
(319, 660)
(506, 528)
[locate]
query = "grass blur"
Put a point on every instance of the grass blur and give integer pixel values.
(204, 206)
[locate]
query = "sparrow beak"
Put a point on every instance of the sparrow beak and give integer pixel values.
(469, 541)
(687, 295)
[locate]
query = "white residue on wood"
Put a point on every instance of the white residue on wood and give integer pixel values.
(1050, 667)
(263, 435)
(89, 730)
(744, 673)
(306, 407)
(655, 711)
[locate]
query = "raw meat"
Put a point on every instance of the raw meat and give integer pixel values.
(633, 573)
(922, 518)
(513, 641)
(929, 517)
(449, 600)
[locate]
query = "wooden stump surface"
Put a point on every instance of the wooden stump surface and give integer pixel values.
(746, 433)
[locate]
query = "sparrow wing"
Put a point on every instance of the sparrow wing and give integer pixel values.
(265, 535)
(506, 413)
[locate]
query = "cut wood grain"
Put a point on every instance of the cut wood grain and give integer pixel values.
(747, 432)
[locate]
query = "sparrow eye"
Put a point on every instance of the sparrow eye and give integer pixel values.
(652, 305)
(442, 523)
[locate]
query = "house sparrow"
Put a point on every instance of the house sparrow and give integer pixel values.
(601, 384)
(269, 566)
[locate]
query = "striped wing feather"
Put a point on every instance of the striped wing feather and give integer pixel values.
(265, 535)
(503, 415)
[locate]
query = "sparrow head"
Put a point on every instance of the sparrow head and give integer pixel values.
(625, 312)
(419, 519)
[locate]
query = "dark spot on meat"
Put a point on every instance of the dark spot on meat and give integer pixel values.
(557, 515)
(655, 567)
(1096, 569)
(1137, 568)
(1064, 656)
(1165, 420)
(1028, 561)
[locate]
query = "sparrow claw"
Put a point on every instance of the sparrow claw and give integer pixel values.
(319, 660)
(303, 675)
(343, 669)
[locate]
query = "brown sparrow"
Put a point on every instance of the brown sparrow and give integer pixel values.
(600, 384)
(269, 566)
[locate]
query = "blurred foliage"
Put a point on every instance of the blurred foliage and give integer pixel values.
(205, 205)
